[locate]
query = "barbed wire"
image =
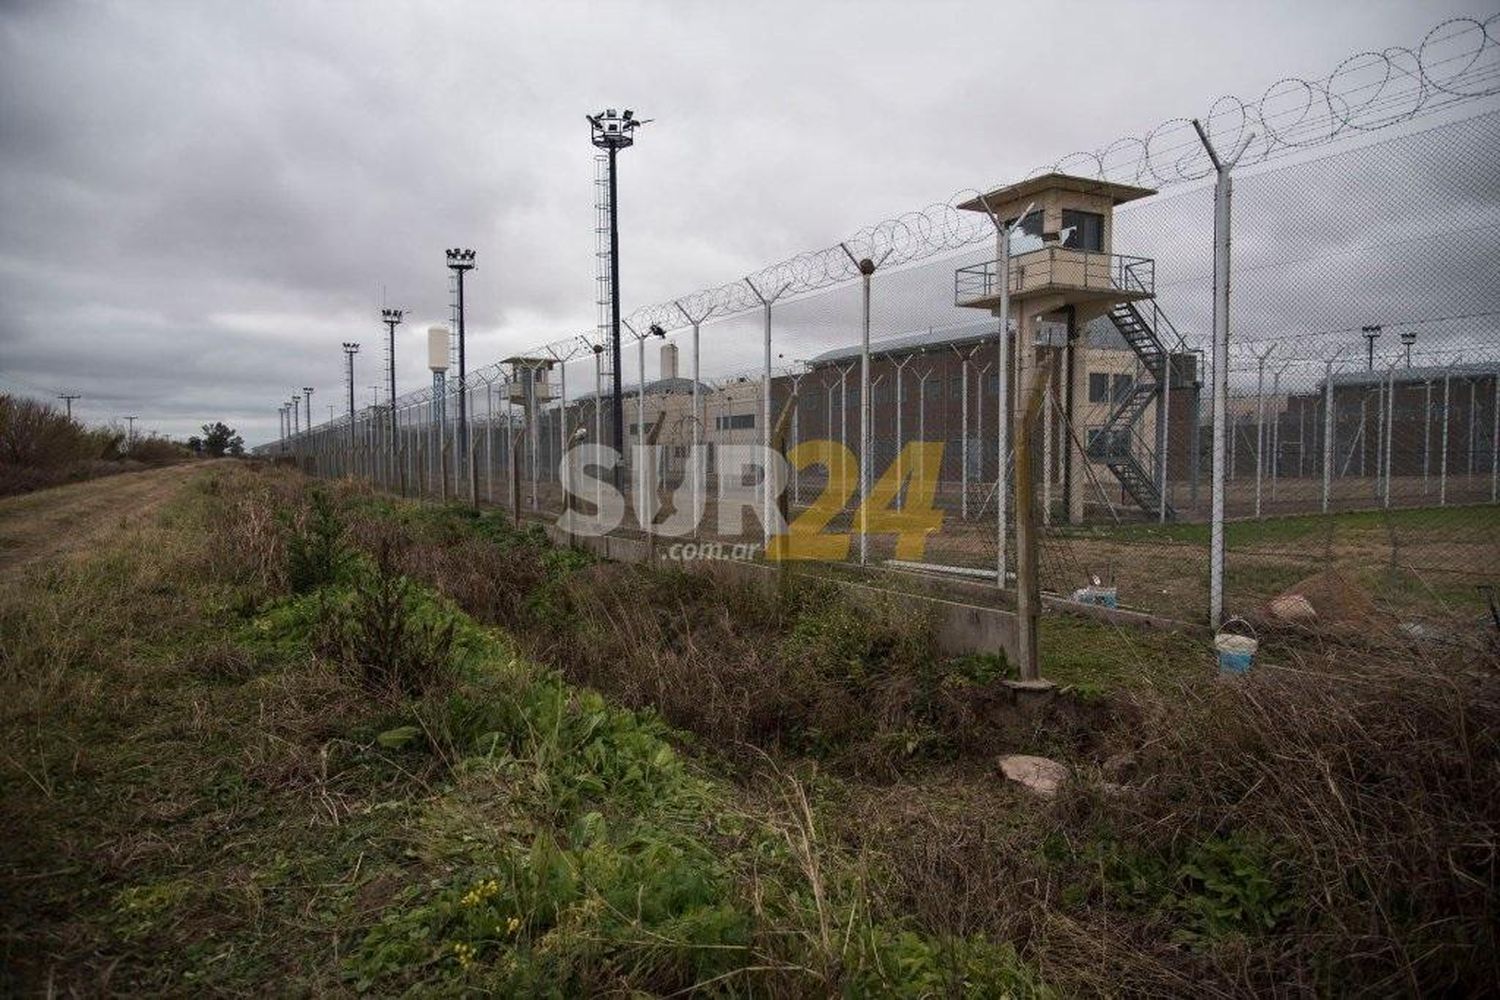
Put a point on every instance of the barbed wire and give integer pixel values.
(1456, 62)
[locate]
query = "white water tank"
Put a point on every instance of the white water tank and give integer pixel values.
(437, 348)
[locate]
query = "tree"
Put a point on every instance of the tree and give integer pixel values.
(217, 440)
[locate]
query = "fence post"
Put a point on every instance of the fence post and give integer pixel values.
(1443, 462)
(1260, 423)
(1390, 429)
(1163, 436)
(1495, 438)
(1223, 186)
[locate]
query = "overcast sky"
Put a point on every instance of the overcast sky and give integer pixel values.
(200, 201)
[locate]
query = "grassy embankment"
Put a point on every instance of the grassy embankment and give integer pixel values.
(280, 741)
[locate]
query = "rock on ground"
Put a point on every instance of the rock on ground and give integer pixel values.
(1041, 775)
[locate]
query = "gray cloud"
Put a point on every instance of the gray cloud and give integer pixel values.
(198, 202)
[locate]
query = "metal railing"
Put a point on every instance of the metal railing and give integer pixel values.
(1056, 266)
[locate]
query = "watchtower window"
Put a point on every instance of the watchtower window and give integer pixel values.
(1030, 226)
(1087, 230)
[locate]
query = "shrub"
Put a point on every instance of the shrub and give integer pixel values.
(394, 649)
(316, 552)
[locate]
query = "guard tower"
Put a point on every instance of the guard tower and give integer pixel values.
(1063, 269)
(530, 389)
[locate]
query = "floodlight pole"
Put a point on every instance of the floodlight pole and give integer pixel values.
(613, 132)
(1223, 193)
(350, 350)
(67, 398)
(460, 260)
(767, 501)
(1003, 234)
(307, 392)
(1371, 334)
(130, 431)
(296, 417)
(392, 318)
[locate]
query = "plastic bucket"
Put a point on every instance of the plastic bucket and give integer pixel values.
(1103, 597)
(1236, 652)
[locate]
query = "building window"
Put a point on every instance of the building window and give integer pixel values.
(1087, 230)
(1120, 387)
(1119, 442)
(734, 422)
(1098, 387)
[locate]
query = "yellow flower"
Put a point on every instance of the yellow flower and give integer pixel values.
(513, 924)
(464, 952)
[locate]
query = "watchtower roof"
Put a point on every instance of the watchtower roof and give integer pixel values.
(1054, 181)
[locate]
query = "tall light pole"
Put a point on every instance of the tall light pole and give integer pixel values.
(1371, 333)
(350, 350)
(1408, 338)
(68, 397)
(459, 262)
(391, 318)
(296, 415)
(307, 392)
(612, 132)
(130, 431)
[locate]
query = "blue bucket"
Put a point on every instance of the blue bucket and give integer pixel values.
(1236, 652)
(1102, 597)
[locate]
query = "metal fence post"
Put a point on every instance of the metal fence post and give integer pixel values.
(1443, 462)
(1222, 193)
(1328, 433)
(1390, 429)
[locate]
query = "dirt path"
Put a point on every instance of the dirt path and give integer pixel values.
(52, 524)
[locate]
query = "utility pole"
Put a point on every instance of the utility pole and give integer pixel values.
(307, 392)
(130, 431)
(68, 397)
(613, 132)
(1223, 194)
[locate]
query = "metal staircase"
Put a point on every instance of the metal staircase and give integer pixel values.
(1113, 445)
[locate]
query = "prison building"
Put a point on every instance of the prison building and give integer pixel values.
(663, 414)
(1414, 415)
(923, 383)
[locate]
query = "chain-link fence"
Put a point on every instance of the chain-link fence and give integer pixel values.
(1362, 424)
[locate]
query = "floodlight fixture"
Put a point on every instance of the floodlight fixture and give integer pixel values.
(1408, 338)
(1371, 333)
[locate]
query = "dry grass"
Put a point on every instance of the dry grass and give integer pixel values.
(1325, 825)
